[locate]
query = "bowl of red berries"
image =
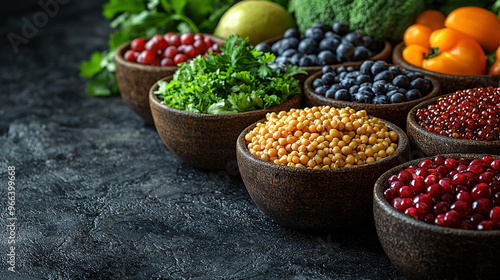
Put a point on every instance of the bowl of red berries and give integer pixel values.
(466, 121)
(143, 61)
(383, 90)
(439, 217)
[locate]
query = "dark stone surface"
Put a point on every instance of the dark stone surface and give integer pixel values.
(98, 195)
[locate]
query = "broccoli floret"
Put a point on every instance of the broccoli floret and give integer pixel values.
(384, 19)
(387, 19)
(326, 11)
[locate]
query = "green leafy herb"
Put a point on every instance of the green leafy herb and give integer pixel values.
(237, 80)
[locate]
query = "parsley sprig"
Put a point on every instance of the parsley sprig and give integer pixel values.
(238, 80)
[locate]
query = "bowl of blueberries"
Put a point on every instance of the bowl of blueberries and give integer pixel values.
(322, 45)
(383, 90)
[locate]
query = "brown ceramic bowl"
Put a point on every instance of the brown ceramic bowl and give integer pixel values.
(135, 80)
(429, 143)
(205, 141)
(423, 251)
(384, 54)
(315, 199)
(395, 113)
(449, 83)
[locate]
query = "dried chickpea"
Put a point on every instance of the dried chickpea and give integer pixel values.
(321, 138)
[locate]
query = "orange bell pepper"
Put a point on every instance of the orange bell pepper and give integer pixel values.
(450, 52)
(417, 34)
(495, 68)
(433, 19)
(481, 24)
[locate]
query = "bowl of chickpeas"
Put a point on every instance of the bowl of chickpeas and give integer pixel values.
(314, 168)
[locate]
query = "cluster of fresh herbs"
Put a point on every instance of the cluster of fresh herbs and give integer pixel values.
(143, 18)
(238, 80)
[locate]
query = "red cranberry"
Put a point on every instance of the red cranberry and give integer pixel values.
(167, 35)
(488, 159)
(452, 219)
(137, 45)
(441, 207)
(462, 188)
(495, 187)
(465, 197)
(439, 160)
(496, 199)
(477, 169)
(397, 185)
(422, 208)
(174, 40)
(162, 44)
(418, 185)
(422, 198)
(401, 204)
(152, 46)
(466, 224)
(146, 57)
(451, 163)
(461, 207)
(482, 206)
(198, 37)
(462, 168)
(448, 197)
(445, 183)
(442, 170)
(472, 177)
(166, 62)
(460, 179)
(208, 41)
(495, 165)
(426, 164)
(486, 225)
(452, 173)
(429, 218)
(486, 177)
(495, 215)
(422, 172)
(406, 192)
(435, 191)
(393, 178)
(389, 194)
(190, 51)
(411, 212)
(187, 38)
(200, 46)
(404, 176)
(179, 58)
(479, 162)
(462, 162)
(131, 56)
(481, 190)
(475, 219)
(170, 52)
(431, 179)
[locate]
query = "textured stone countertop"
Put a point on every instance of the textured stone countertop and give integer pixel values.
(99, 196)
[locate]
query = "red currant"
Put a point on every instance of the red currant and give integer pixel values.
(138, 45)
(131, 55)
(187, 38)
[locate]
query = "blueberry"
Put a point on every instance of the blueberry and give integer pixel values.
(327, 69)
(318, 83)
(328, 78)
(384, 75)
(369, 42)
(329, 43)
(342, 94)
(378, 66)
(321, 26)
(320, 90)
(330, 93)
(418, 83)
(391, 93)
(351, 69)
(363, 79)
(361, 53)
(314, 58)
(367, 93)
(347, 83)
(315, 33)
(366, 85)
(341, 69)
(288, 53)
(336, 87)
(345, 51)
(395, 70)
(355, 38)
(308, 46)
(413, 94)
(340, 28)
(397, 98)
(365, 68)
(295, 59)
(281, 60)
(401, 81)
(380, 99)
(305, 61)
(288, 43)
(277, 67)
(276, 46)
(330, 34)
(389, 87)
(326, 58)
(414, 75)
(365, 88)
(354, 89)
(362, 98)
(379, 87)
(263, 47)
(402, 90)
(351, 75)
(291, 32)
(427, 88)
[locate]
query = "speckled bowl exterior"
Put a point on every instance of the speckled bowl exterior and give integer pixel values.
(205, 141)
(423, 251)
(314, 199)
(384, 54)
(135, 80)
(395, 113)
(449, 83)
(429, 143)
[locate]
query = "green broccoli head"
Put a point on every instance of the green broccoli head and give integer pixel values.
(387, 19)
(326, 11)
(384, 19)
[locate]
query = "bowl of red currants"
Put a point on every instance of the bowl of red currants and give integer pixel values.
(466, 121)
(143, 61)
(383, 90)
(439, 217)
(323, 44)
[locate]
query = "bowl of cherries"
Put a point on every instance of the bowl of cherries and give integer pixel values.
(439, 217)
(143, 61)
(383, 90)
(322, 44)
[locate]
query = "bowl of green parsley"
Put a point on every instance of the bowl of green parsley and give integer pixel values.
(201, 109)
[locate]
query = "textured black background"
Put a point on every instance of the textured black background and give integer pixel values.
(100, 197)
